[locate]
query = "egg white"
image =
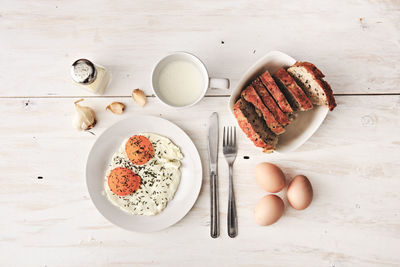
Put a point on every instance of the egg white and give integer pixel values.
(160, 177)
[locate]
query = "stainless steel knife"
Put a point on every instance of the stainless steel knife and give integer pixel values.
(213, 135)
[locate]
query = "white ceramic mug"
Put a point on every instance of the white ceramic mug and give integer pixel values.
(219, 83)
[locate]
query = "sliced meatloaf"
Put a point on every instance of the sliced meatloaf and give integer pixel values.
(273, 89)
(293, 93)
(254, 126)
(269, 102)
(310, 78)
(250, 95)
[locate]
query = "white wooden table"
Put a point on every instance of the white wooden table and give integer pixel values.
(352, 161)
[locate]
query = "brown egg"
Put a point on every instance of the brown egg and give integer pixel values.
(300, 192)
(270, 177)
(268, 210)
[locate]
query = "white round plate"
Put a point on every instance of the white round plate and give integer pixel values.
(108, 143)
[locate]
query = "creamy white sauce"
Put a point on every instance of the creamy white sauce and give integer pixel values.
(160, 177)
(180, 83)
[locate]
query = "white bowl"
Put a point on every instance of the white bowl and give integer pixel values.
(306, 122)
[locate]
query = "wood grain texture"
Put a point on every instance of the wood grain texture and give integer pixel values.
(352, 162)
(355, 43)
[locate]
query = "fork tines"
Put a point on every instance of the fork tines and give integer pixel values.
(229, 137)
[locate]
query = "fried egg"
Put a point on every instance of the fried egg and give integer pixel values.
(157, 163)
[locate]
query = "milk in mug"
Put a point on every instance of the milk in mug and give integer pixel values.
(180, 83)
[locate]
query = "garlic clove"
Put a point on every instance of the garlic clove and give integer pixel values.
(139, 97)
(116, 107)
(84, 118)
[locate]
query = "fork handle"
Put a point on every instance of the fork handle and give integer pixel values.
(214, 224)
(232, 216)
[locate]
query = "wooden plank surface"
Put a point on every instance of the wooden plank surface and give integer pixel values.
(355, 43)
(352, 162)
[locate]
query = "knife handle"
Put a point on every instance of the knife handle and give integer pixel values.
(214, 224)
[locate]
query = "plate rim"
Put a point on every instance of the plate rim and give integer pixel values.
(198, 185)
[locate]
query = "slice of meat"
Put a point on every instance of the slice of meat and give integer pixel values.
(273, 89)
(293, 93)
(254, 127)
(310, 78)
(251, 96)
(270, 102)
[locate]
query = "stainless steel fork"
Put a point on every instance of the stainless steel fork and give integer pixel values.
(230, 151)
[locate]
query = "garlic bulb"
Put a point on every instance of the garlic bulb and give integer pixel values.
(84, 118)
(139, 97)
(116, 107)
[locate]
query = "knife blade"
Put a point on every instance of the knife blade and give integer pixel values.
(213, 135)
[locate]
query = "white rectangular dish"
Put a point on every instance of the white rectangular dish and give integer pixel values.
(306, 122)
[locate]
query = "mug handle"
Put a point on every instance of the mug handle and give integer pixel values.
(219, 83)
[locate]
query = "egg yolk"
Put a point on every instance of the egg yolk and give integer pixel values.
(139, 149)
(123, 181)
